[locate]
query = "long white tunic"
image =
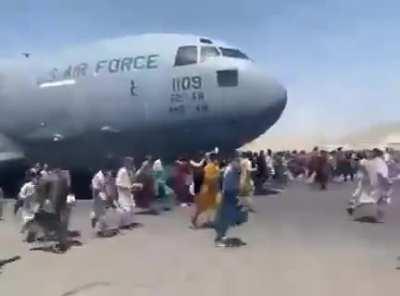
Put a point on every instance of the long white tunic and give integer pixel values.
(370, 189)
(99, 196)
(30, 205)
(107, 218)
(245, 175)
(270, 164)
(124, 182)
(124, 186)
(99, 182)
(375, 167)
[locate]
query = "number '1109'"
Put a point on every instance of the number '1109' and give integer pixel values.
(186, 83)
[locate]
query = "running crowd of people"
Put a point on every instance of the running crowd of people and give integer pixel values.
(218, 189)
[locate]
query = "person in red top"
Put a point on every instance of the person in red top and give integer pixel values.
(145, 198)
(182, 181)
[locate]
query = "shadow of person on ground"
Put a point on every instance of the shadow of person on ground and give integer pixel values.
(57, 248)
(368, 220)
(148, 212)
(86, 287)
(8, 261)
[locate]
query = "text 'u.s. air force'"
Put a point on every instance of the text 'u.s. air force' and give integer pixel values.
(114, 65)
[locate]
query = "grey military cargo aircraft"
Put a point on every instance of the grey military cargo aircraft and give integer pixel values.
(154, 93)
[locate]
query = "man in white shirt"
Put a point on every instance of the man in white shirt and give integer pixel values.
(45, 170)
(246, 182)
(374, 187)
(377, 166)
(106, 214)
(387, 155)
(99, 199)
(125, 186)
(27, 195)
(270, 163)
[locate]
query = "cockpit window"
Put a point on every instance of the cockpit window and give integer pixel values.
(233, 53)
(186, 55)
(208, 52)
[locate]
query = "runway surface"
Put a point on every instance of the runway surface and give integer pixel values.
(299, 243)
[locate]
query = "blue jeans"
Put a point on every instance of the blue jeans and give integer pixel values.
(227, 214)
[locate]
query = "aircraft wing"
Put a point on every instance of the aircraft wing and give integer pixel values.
(9, 150)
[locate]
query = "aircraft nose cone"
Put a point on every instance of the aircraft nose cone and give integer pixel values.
(278, 99)
(272, 100)
(268, 96)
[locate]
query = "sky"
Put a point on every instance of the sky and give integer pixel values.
(339, 59)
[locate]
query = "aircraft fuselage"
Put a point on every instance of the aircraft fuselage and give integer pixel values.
(159, 93)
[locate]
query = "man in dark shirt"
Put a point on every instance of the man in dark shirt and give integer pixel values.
(261, 174)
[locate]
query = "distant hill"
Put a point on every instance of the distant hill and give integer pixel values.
(283, 142)
(377, 134)
(374, 136)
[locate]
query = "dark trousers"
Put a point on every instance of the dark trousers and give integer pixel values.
(58, 224)
(221, 227)
(259, 182)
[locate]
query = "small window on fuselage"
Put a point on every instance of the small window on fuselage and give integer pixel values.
(186, 55)
(208, 52)
(227, 78)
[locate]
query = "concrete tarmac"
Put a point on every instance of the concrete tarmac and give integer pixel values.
(300, 242)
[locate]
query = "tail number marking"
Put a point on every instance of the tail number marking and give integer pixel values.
(186, 83)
